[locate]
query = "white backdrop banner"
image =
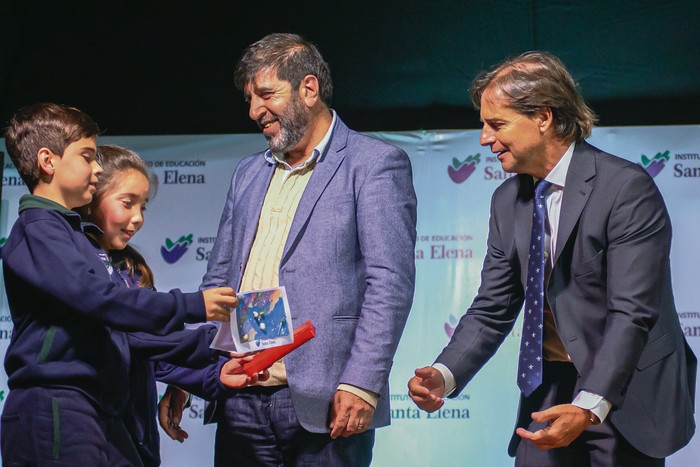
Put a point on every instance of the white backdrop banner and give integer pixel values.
(454, 178)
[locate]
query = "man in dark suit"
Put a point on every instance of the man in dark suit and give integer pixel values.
(605, 373)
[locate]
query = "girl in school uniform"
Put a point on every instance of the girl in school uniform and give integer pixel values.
(118, 208)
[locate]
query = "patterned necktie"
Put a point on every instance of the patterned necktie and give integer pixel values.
(530, 361)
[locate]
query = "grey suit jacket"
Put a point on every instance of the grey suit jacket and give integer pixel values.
(610, 294)
(348, 266)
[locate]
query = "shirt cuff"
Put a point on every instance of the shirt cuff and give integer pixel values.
(593, 402)
(450, 383)
(367, 396)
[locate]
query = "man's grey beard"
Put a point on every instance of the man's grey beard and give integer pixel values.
(293, 123)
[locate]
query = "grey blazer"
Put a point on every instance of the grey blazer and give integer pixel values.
(610, 294)
(348, 266)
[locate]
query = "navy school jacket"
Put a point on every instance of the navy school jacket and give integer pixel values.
(70, 318)
(151, 357)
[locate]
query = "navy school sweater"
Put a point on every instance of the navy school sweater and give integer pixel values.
(188, 348)
(70, 317)
(152, 356)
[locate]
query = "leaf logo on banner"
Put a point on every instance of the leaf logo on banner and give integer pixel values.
(460, 171)
(654, 165)
(173, 251)
(450, 325)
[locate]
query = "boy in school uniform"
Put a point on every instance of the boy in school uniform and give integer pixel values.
(68, 359)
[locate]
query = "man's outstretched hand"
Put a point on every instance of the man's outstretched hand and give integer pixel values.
(426, 388)
(566, 423)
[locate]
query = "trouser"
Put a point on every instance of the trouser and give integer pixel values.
(598, 445)
(260, 428)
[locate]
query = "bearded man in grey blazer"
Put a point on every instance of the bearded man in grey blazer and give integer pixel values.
(331, 215)
(606, 375)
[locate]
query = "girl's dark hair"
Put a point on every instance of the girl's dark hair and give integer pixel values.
(116, 160)
(135, 265)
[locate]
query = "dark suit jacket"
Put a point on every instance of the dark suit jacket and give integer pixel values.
(610, 294)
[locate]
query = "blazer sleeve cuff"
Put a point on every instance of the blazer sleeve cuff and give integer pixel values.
(368, 396)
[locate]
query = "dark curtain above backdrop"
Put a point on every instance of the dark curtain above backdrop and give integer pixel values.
(165, 67)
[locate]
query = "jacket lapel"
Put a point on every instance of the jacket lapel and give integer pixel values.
(576, 193)
(254, 194)
(326, 167)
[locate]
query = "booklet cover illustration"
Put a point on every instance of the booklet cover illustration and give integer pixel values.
(260, 321)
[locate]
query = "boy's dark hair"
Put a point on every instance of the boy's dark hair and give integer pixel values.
(45, 125)
(291, 56)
